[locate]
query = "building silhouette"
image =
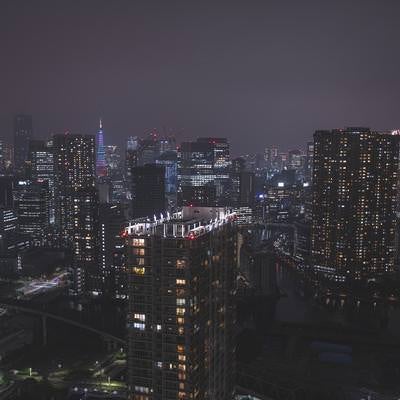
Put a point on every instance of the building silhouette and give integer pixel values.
(149, 195)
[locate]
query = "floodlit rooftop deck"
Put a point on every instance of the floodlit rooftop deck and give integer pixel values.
(190, 222)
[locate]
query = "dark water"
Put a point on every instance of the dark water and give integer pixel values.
(295, 307)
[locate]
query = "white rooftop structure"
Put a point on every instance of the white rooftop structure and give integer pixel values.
(190, 222)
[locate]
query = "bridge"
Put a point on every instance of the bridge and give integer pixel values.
(21, 307)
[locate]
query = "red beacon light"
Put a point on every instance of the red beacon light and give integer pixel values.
(124, 234)
(191, 236)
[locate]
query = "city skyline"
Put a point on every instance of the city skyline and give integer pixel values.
(222, 71)
(199, 200)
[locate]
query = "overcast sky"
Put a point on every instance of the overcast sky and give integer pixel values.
(258, 72)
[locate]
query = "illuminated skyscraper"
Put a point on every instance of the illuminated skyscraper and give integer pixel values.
(169, 161)
(42, 168)
(181, 278)
(204, 164)
(32, 205)
(77, 205)
(101, 166)
(355, 184)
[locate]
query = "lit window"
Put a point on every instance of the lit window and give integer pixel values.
(138, 270)
(140, 317)
(139, 325)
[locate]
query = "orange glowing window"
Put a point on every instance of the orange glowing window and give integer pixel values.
(138, 270)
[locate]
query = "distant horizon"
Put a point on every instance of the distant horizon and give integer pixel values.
(179, 138)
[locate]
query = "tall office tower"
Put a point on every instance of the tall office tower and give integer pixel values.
(22, 137)
(8, 221)
(132, 143)
(204, 163)
(238, 165)
(8, 157)
(42, 168)
(355, 185)
(242, 191)
(198, 196)
(112, 223)
(112, 159)
(169, 160)
(295, 159)
(148, 150)
(115, 172)
(270, 157)
(2, 162)
(181, 277)
(246, 189)
(308, 167)
(77, 203)
(101, 167)
(32, 205)
(149, 198)
(7, 184)
(167, 144)
(131, 162)
(12, 243)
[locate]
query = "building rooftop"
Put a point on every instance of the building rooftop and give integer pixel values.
(190, 222)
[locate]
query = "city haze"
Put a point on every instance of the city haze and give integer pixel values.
(259, 73)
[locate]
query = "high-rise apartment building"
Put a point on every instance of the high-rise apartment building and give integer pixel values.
(22, 137)
(86, 272)
(181, 272)
(77, 205)
(74, 168)
(355, 186)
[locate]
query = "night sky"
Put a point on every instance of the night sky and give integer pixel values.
(258, 72)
